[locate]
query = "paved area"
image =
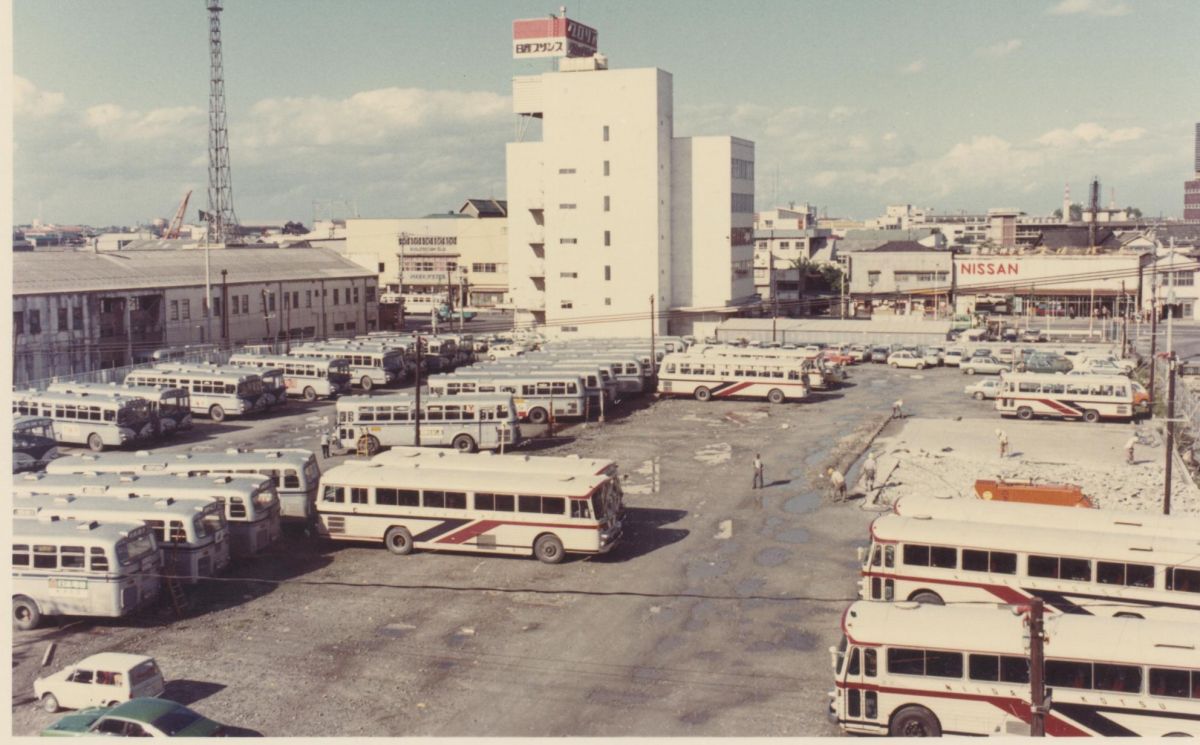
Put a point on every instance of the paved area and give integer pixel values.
(712, 618)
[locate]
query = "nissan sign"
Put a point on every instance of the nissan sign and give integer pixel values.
(552, 37)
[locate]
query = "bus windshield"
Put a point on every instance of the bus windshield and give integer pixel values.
(311, 472)
(265, 497)
(134, 548)
(210, 521)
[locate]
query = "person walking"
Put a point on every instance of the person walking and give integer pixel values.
(898, 409)
(1002, 436)
(839, 483)
(324, 443)
(758, 472)
(1129, 444)
(868, 470)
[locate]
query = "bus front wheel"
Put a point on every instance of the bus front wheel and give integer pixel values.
(309, 393)
(366, 383)
(1091, 416)
(548, 549)
(372, 445)
(702, 394)
(775, 396)
(464, 444)
(95, 442)
(914, 721)
(216, 413)
(26, 615)
(399, 541)
(928, 598)
(538, 415)
(1025, 413)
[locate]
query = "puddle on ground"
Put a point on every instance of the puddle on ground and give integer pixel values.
(795, 535)
(772, 557)
(802, 503)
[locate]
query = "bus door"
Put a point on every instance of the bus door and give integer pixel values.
(883, 560)
(860, 691)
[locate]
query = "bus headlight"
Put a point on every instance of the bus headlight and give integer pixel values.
(861, 553)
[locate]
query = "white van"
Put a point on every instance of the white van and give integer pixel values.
(104, 679)
(953, 356)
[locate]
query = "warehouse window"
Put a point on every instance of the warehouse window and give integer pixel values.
(608, 273)
(186, 308)
(606, 171)
(606, 133)
(62, 319)
(607, 203)
(174, 310)
(77, 318)
(608, 237)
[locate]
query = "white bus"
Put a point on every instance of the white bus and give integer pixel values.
(310, 377)
(294, 472)
(250, 502)
(910, 670)
(33, 444)
(819, 373)
(214, 394)
(538, 397)
(626, 368)
(461, 509)
(82, 419)
(370, 365)
(707, 378)
(1144, 524)
(598, 382)
(1074, 571)
(1087, 397)
(466, 422)
(192, 535)
(274, 392)
(70, 567)
(170, 408)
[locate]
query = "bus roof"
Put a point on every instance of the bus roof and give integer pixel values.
(996, 629)
(64, 504)
(149, 392)
(1019, 513)
(115, 484)
(1039, 540)
(75, 397)
(282, 358)
(378, 474)
(85, 531)
(146, 461)
(200, 373)
(403, 397)
(489, 461)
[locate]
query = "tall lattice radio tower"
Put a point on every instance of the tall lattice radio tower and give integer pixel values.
(222, 222)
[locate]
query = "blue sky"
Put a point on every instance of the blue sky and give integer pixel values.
(403, 107)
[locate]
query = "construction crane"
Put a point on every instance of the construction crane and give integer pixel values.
(172, 230)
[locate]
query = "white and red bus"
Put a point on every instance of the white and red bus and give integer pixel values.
(1091, 398)
(706, 378)
(912, 670)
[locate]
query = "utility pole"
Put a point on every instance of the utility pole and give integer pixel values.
(653, 359)
(1124, 320)
(774, 292)
(400, 289)
(417, 391)
(1170, 431)
(224, 310)
(1037, 669)
(266, 316)
(1153, 328)
(222, 222)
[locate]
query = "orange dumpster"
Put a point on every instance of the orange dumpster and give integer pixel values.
(1064, 495)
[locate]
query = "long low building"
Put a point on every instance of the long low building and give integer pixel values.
(885, 331)
(78, 311)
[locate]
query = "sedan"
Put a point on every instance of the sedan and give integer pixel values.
(1033, 336)
(879, 354)
(986, 388)
(906, 358)
(838, 357)
(983, 366)
(933, 356)
(138, 717)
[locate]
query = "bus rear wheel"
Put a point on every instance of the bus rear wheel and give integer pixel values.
(702, 394)
(372, 445)
(775, 396)
(548, 549)
(538, 415)
(216, 413)
(1091, 416)
(26, 615)
(309, 393)
(464, 444)
(914, 721)
(398, 540)
(366, 383)
(1025, 413)
(95, 442)
(928, 598)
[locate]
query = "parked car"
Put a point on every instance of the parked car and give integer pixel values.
(863, 352)
(1124, 366)
(983, 366)
(1033, 336)
(880, 354)
(139, 717)
(906, 358)
(104, 679)
(933, 356)
(1005, 355)
(981, 352)
(1141, 398)
(953, 356)
(1010, 334)
(1047, 363)
(986, 388)
(838, 357)
(1097, 367)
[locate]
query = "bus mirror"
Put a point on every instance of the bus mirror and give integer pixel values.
(861, 553)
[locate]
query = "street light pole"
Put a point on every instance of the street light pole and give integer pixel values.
(1170, 431)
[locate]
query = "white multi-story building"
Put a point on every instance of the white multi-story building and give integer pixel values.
(610, 209)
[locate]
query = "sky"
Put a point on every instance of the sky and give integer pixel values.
(402, 108)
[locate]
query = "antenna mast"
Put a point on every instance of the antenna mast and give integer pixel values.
(222, 222)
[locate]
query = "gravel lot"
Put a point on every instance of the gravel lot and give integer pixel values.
(712, 618)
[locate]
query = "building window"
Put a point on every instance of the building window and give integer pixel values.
(216, 305)
(174, 310)
(607, 203)
(245, 305)
(287, 300)
(608, 237)
(270, 301)
(608, 301)
(743, 169)
(381, 267)
(565, 171)
(62, 319)
(743, 203)
(339, 327)
(568, 275)
(370, 293)
(607, 273)
(872, 278)
(35, 321)
(568, 329)
(77, 318)
(566, 305)
(308, 298)
(356, 294)
(186, 307)
(785, 244)
(336, 295)
(567, 206)
(567, 241)
(233, 309)
(606, 168)
(18, 322)
(484, 268)
(606, 133)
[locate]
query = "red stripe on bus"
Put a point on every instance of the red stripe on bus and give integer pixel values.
(1004, 592)
(1060, 408)
(733, 389)
(483, 526)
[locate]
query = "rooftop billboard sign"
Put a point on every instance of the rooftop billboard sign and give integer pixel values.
(552, 37)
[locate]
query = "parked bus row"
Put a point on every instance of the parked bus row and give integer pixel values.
(466, 422)
(505, 504)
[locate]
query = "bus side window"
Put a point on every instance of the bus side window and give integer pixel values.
(291, 479)
(889, 556)
(580, 508)
(237, 508)
(20, 554)
(45, 557)
(853, 668)
(870, 662)
(99, 560)
(72, 557)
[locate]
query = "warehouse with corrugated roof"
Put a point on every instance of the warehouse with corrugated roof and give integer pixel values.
(78, 311)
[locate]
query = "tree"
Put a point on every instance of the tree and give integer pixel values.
(1076, 212)
(1133, 212)
(294, 228)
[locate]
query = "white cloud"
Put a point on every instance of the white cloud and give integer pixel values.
(1090, 7)
(914, 67)
(29, 101)
(841, 112)
(889, 136)
(1000, 49)
(1090, 134)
